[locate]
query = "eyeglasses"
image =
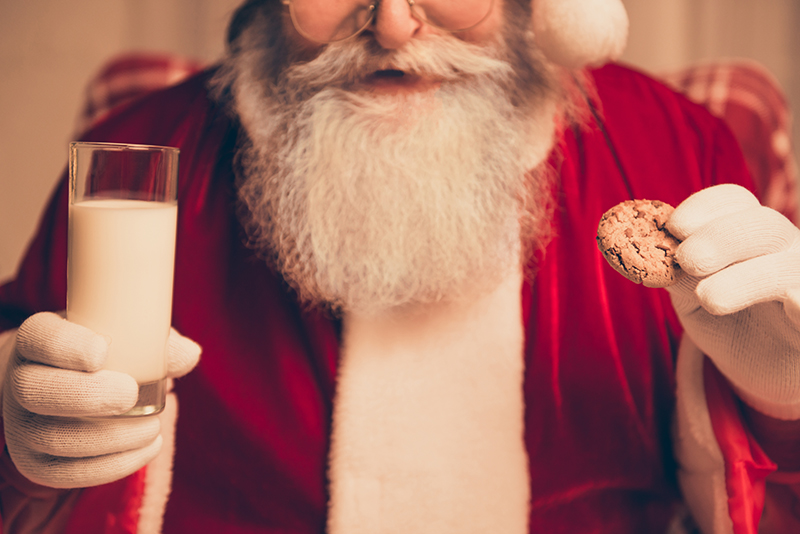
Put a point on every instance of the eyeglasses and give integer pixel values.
(328, 21)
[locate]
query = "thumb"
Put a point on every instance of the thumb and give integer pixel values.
(182, 354)
(791, 305)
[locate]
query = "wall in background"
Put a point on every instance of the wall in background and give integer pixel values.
(49, 49)
(668, 34)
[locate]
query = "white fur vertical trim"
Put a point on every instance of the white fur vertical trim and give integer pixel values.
(702, 468)
(579, 33)
(428, 423)
(158, 478)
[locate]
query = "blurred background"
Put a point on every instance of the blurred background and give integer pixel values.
(50, 49)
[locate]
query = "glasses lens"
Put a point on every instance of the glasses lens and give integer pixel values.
(326, 21)
(452, 15)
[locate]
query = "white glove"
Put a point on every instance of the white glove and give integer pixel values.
(53, 383)
(741, 303)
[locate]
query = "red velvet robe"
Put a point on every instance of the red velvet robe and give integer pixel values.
(252, 435)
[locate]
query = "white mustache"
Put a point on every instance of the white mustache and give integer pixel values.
(441, 57)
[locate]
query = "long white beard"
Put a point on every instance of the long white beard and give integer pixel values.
(368, 201)
(407, 214)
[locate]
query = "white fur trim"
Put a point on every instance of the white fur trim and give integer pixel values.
(158, 478)
(578, 33)
(702, 468)
(428, 424)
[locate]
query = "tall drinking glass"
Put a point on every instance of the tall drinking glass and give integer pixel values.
(121, 254)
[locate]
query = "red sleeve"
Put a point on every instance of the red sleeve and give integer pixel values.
(41, 283)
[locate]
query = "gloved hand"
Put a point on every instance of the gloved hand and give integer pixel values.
(741, 303)
(54, 383)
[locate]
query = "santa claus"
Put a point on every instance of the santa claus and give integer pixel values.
(386, 250)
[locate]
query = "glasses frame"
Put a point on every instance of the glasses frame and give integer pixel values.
(373, 8)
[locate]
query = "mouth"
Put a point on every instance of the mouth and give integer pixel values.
(396, 80)
(389, 73)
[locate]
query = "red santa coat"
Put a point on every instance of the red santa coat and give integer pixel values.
(252, 437)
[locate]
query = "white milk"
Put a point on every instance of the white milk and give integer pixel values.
(119, 279)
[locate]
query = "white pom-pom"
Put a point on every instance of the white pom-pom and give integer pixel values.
(578, 33)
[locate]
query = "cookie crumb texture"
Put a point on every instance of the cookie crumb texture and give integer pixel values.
(632, 237)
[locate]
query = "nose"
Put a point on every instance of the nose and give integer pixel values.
(394, 24)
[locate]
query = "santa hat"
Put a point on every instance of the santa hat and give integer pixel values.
(580, 33)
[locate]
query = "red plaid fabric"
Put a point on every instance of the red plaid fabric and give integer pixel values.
(751, 102)
(129, 76)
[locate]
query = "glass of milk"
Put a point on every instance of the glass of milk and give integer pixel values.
(121, 253)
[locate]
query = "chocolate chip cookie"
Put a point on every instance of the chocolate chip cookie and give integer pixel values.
(633, 239)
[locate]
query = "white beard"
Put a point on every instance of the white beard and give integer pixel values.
(368, 202)
(407, 214)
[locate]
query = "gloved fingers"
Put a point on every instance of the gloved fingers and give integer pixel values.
(751, 282)
(62, 472)
(182, 354)
(47, 390)
(77, 438)
(707, 205)
(791, 305)
(47, 338)
(733, 238)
